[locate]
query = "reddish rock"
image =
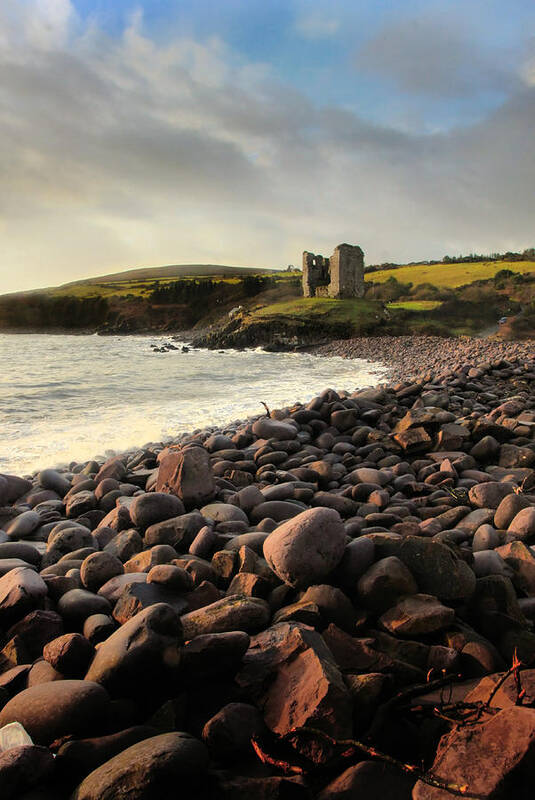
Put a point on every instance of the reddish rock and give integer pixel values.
(187, 474)
(494, 759)
(293, 674)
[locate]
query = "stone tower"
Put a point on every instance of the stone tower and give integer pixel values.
(340, 276)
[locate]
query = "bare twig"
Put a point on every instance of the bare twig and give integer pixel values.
(412, 769)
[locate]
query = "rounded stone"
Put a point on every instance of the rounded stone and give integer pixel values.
(307, 548)
(266, 428)
(152, 507)
(98, 568)
(146, 770)
(224, 512)
(79, 604)
(69, 654)
(52, 710)
(54, 480)
(23, 525)
(174, 578)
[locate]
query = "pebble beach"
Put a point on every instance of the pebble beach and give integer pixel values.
(334, 599)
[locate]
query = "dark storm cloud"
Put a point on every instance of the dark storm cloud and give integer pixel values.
(115, 153)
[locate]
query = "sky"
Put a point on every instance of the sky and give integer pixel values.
(246, 131)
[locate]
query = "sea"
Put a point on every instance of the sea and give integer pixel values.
(66, 398)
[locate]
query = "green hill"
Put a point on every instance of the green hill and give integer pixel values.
(172, 272)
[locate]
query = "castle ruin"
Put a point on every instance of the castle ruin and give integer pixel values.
(340, 276)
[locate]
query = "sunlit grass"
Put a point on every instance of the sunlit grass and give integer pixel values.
(416, 305)
(449, 275)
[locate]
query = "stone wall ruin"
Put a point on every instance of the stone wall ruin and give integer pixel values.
(340, 276)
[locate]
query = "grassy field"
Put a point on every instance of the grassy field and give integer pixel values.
(324, 308)
(415, 305)
(449, 275)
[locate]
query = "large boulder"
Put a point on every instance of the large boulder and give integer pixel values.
(494, 759)
(436, 568)
(21, 590)
(187, 474)
(306, 549)
(52, 710)
(147, 645)
(147, 770)
(292, 674)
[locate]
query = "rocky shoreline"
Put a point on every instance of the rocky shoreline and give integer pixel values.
(333, 600)
(410, 356)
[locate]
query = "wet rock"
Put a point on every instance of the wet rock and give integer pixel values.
(358, 556)
(14, 487)
(35, 630)
(42, 672)
(224, 512)
(144, 561)
(98, 627)
(24, 550)
(125, 545)
(307, 548)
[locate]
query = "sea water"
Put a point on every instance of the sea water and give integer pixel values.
(71, 398)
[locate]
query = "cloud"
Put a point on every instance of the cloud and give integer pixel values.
(316, 25)
(438, 54)
(121, 152)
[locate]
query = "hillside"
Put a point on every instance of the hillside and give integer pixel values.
(449, 275)
(171, 272)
